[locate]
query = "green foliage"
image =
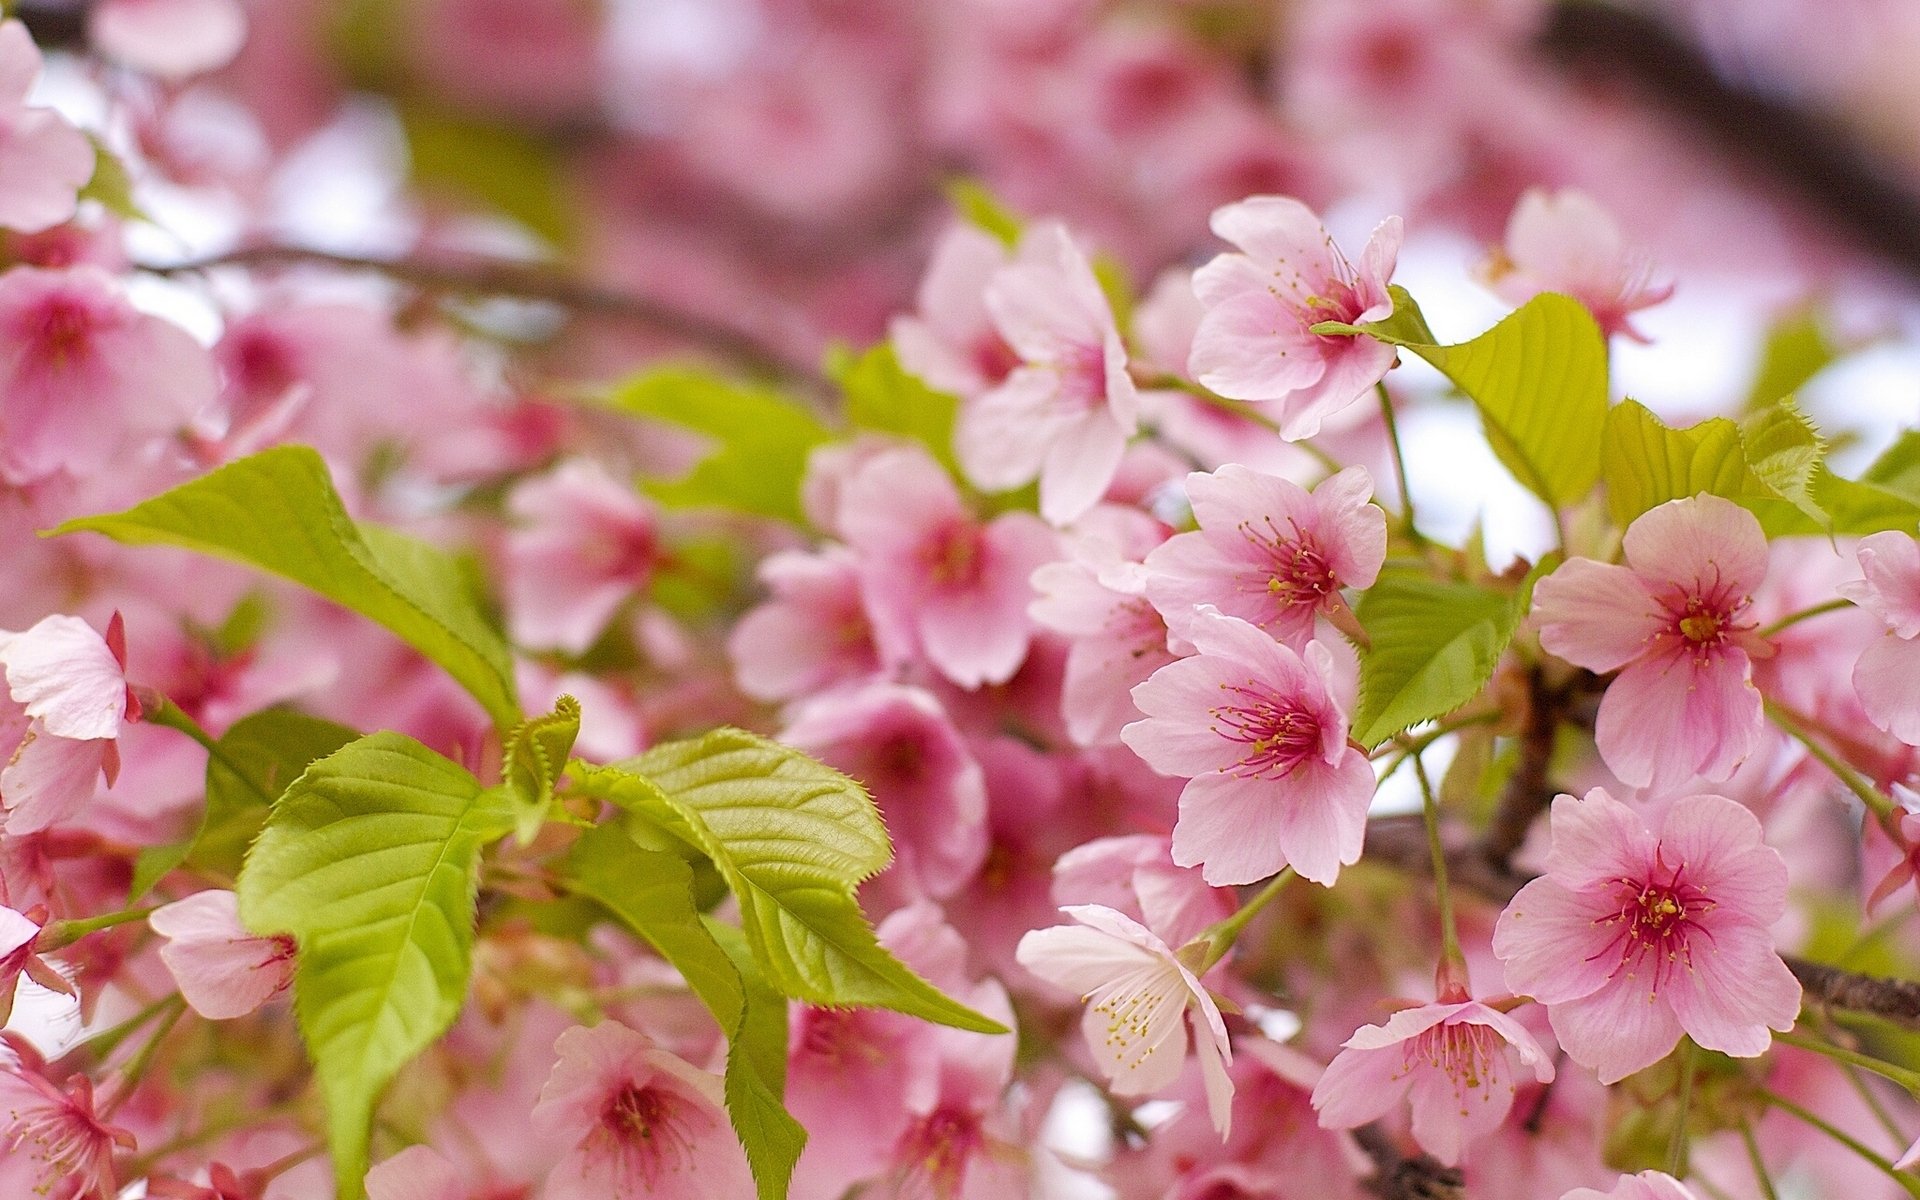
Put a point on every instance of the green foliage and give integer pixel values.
(651, 891)
(1434, 646)
(883, 396)
(1783, 449)
(251, 764)
(536, 753)
(371, 861)
(110, 185)
(1797, 349)
(277, 511)
(1648, 462)
(505, 169)
(978, 206)
(1898, 467)
(793, 838)
(1539, 379)
(761, 440)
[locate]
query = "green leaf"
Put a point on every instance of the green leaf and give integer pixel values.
(1797, 349)
(1852, 507)
(1539, 379)
(793, 838)
(1898, 467)
(252, 764)
(371, 861)
(652, 893)
(277, 511)
(883, 396)
(762, 439)
(110, 185)
(536, 753)
(498, 166)
(1434, 646)
(1783, 449)
(1647, 462)
(981, 207)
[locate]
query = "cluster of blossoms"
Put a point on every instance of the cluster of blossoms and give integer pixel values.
(1103, 620)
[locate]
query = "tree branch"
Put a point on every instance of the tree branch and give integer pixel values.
(475, 275)
(1398, 1177)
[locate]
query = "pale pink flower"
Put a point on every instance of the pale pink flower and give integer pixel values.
(1272, 779)
(1270, 552)
(636, 1122)
(1065, 414)
(584, 544)
(66, 1147)
(170, 38)
(18, 933)
(937, 582)
(1884, 676)
(812, 636)
(1457, 1062)
(1635, 936)
(1647, 1185)
(84, 375)
(1565, 242)
(1254, 343)
(1138, 996)
(1900, 834)
(951, 342)
(44, 161)
(66, 699)
(1675, 617)
(223, 969)
(1098, 598)
(423, 1173)
(900, 743)
(1135, 876)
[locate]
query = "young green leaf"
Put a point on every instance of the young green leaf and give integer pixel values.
(277, 511)
(536, 753)
(652, 893)
(1647, 462)
(793, 838)
(252, 763)
(1539, 379)
(762, 440)
(111, 186)
(1784, 450)
(371, 861)
(883, 396)
(1797, 349)
(978, 206)
(1434, 646)
(1898, 467)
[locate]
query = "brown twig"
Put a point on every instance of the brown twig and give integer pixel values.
(479, 276)
(1402, 1177)
(1527, 793)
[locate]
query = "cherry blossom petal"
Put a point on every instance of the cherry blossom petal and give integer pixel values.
(1595, 615)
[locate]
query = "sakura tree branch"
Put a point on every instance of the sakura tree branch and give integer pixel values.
(1527, 792)
(476, 275)
(1400, 1177)
(1402, 843)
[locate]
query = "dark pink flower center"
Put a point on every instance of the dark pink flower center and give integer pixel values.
(836, 1035)
(644, 1132)
(934, 1153)
(1277, 732)
(1654, 924)
(992, 357)
(1464, 1050)
(65, 333)
(1297, 569)
(952, 554)
(1705, 619)
(1083, 378)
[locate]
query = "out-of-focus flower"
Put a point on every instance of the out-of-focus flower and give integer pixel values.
(1675, 618)
(586, 544)
(1634, 936)
(66, 699)
(950, 342)
(1647, 1185)
(44, 161)
(1255, 341)
(812, 635)
(1565, 242)
(1884, 676)
(174, 39)
(223, 969)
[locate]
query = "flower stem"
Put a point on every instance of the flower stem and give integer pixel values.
(1677, 1141)
(1794, 618)
(1760, 1174)
(1219, 938)
(166, 712)
(1885, 1164)
(129, 1082)
(1399, 466)
(58, 935)
(1906, 1078)
(1868, 795)
(1453, 964)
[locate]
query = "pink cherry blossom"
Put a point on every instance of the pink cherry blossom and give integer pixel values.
(812, 636)
(1565, 242)
(1064, 415)
(1138, 995)
(1254, 342)
(1270, 552)
(44, 161)
(19, 931)
(899, 742)
(1884, 676)
(1135, 876)
(636, 1122)
(170, 38)
(66, 700)
(1892, 847)
(66, 1147)
(223, 970)
(1272, 779)
(1647, 1185)
(585, 544)
(1097, 598)
(937, 582)
(423, 1173)
(1636, 935)
(951, 342)
(84, 375)
(1457, 1062)
(1674, 622)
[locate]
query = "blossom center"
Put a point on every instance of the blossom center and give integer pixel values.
(837, 1036)
(1705, 619)
(1655, 924)
(1297, 569)
(1083, 378)
(644, 1130)
(935, 1150)
(953, 555)
(66, 331)
(1277, 732)
(1463, 1050)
